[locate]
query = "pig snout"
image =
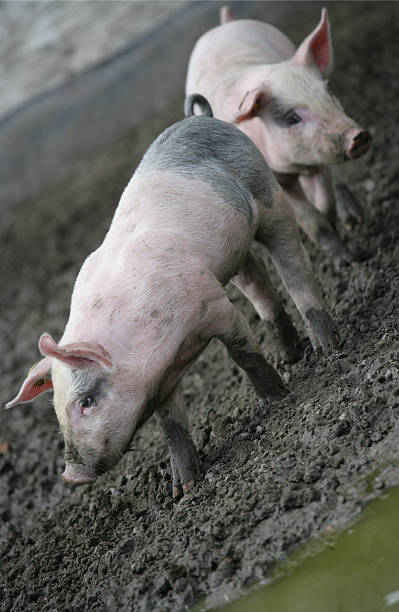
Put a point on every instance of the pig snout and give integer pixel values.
(357, 142)
(77, 475)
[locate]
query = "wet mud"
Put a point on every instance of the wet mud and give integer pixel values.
(272, 476)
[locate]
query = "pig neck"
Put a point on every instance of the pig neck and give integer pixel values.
(142, 317)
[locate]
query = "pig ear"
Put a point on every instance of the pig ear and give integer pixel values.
(249, 105)
(37, 382)
(77, 356)
(226, 15)
(317, 48)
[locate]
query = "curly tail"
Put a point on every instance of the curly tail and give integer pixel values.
(202, 102)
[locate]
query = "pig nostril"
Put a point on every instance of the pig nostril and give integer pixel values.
(362, 137)
(360, 144)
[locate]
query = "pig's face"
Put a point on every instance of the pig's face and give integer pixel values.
(288, 110)
(98, 404)
(299, 123)
(97, 420)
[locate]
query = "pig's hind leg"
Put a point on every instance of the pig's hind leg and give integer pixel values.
(279, 233)
(253, 281)
(231, 327)
(184, 460)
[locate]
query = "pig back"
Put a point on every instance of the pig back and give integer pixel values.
(216, 153)
(225, 51)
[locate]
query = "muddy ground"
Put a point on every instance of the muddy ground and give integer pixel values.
(272, 477)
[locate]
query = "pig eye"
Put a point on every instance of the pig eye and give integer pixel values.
(87, 402)
(291, 118)
(282, 116)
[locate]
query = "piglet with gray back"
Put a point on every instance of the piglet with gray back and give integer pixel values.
(148, 301)
(254, 77)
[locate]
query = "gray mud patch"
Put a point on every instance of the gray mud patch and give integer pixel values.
(273, 477)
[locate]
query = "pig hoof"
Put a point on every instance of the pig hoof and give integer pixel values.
(184, 464)
(177, 491)
(268, 384)
(275, 394)
(349, 211)
(284, 338)
(188, 486)
(265, 401)
(322, 331)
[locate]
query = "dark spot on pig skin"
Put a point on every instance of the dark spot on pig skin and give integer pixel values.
(154, 313)
(72, 454)
(338, 154)
(338, 140)
(203, 310)
(216, 153)
(98, 302)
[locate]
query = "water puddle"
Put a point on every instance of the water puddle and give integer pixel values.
(356, 571)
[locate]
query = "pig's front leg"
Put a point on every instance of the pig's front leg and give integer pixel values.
(349, 211)
(253, 281)
(339, 203)
(315, 225)
(233, 330)
(319, 190)
(279, 233)
(184, 460)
